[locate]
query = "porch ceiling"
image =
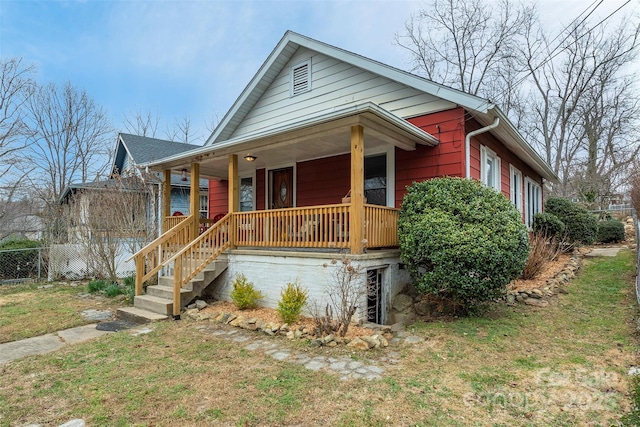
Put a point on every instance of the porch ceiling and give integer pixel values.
(323, 136)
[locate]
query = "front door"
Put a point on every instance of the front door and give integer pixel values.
(281, 194)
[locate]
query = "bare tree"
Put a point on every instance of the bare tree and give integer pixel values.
(112, 219)
(16, 85)
(578, 100)
(142, 124)
(181, 131)
(465, 44)
(68, 142)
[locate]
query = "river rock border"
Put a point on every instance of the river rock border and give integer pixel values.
(379, 339)
(537, 297)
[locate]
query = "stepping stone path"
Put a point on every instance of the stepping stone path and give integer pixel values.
(344, 366)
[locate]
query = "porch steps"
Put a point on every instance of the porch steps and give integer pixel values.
(138, 315)
(159, 298)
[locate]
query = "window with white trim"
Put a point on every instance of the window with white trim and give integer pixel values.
(516, 187)
(300, 78)
(489, 168)
(532, 200)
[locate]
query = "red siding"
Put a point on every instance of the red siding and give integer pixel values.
(218, 197)
(446, 159)
(323, 181)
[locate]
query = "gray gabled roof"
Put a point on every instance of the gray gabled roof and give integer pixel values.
(142, 149)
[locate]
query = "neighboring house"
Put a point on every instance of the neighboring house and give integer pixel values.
(314, 158)
(144, 189)
(132, 151)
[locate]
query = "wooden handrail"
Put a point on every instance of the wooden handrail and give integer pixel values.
(149, 259)
(197, 255)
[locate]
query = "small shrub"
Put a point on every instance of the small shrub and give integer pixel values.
(611, 231)
(461, 241)
(548, 224)
(113, 290)
(244, 294)
(542, 250)
(129, 287)
(581, 226)
(292, 300)
(96, 286)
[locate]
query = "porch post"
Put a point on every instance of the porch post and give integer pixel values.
(356, 220)
(234, 196)
(194, 195)
(166, 198)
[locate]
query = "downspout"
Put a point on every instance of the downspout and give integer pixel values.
(467, 144)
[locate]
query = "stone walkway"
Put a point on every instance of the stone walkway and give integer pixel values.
(603, 252)
(344, 366)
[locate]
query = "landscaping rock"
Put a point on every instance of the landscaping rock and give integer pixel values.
(402, 302)
(96, 315)
(536, 302)
(511, 299)
(200, 304)
(359, 344)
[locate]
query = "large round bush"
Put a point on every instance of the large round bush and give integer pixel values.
(548, 224)
(461, 240)
(581, 226)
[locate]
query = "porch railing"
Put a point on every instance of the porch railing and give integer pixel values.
(171, 221)
(312, 227)
(149, 260)
(197, 255)
(381, 226)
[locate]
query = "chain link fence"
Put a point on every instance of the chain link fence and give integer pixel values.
(53, 263)
(20, 265)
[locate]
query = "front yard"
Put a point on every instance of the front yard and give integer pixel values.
(562, 365)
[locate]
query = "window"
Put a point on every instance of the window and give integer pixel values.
(300, 78)
(204, 206)
(532, 200)
(375, 179)
(516, 187)
(246, 194)
(489, 168)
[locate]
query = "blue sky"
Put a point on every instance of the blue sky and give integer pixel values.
(193, 58)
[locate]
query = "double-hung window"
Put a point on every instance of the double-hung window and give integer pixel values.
(516, 187)
(532, 200)
(489, 168)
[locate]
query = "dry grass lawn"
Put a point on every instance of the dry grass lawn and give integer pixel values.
(563, 365)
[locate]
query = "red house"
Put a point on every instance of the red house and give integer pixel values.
(314, 157)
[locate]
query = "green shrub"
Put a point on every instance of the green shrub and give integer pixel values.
(548, 224)
(129, 287)
(611, 231)
(461, 240)
(581, 226)
(244, 294)
(292, 300)
(113, 290)
(96, 286)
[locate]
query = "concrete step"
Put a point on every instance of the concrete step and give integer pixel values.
(154, 304)
(138, 315)
(166, 292)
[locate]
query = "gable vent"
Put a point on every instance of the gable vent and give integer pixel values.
(300, 78)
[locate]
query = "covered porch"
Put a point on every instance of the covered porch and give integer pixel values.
(280, 216)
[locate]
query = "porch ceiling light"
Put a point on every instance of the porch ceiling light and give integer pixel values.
(184, 176)
(250, 158)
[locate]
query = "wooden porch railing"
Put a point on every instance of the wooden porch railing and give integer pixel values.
(197, 255)
(381, 226)
(149, 259)
(311, 227)
(171, 221)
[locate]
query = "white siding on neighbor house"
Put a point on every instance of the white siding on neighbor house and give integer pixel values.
(270, 273)
(333, 84)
